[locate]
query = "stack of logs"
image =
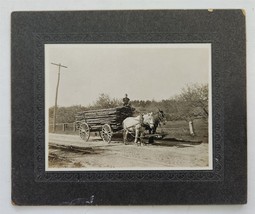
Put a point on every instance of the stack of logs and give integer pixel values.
(112, 116)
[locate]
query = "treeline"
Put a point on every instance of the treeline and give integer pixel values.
(190, 104)
(168, 106)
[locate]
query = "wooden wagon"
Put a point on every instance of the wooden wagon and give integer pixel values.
(103, 121)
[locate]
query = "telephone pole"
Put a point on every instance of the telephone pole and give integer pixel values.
(56, 98)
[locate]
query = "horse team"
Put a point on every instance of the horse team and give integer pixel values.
(142, 122)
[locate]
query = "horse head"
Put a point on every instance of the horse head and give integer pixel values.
(161, 116)
(148, 119)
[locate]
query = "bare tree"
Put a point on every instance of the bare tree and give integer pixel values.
(192, 103)
(196, 96)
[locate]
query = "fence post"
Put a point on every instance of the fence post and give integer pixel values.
(74, 127)
(191, 128)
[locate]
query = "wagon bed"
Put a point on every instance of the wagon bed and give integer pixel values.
(105, 121)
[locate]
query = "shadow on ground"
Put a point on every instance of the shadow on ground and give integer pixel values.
(77, 150)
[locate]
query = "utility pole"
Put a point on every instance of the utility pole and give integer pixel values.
(56, 98)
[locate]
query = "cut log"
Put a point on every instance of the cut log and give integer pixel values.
(112, 116)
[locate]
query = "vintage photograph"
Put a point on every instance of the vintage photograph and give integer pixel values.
(128, 107)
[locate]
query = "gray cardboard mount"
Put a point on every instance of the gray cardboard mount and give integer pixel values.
(225, 184)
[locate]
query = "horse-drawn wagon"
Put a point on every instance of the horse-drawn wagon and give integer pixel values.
(103, 121)
(109, 121)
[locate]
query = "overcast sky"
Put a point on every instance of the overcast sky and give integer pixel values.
(143, 71)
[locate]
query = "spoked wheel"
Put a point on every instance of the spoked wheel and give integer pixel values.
(106, 133)
(84, 131)
(77, 125)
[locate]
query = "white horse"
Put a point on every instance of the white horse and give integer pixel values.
(136, 125)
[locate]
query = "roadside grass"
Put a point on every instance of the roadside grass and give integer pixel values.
(180, 130)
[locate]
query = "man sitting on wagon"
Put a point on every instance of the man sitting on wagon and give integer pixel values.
(127, 104)
(126, 101)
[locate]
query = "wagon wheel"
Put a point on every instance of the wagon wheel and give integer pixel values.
(77, 125)
(84, 131)
(106, 133)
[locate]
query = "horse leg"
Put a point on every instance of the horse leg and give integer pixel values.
(141, 139)
(153, 130)
(136, 136)
(125, 136)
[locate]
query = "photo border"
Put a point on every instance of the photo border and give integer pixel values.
(146, 175)
(226, 183)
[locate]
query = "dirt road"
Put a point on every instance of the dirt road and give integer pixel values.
(69, 151)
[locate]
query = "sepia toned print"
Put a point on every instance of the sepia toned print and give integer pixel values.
(128, 107)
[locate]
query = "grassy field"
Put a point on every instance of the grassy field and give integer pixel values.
(180, 129)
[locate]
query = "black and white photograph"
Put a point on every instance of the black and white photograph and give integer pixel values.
(128, 107)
